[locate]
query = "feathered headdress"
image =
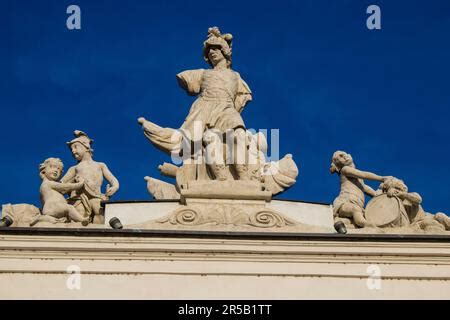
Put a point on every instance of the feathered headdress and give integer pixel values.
(215, 38)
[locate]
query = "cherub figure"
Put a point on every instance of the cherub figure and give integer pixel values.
(52, 193)
(411, 201)
(87, 200)
(350, 202)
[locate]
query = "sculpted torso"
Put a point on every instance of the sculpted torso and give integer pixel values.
(352, 186)
(49, 196)
(222, 83)
(92, 173)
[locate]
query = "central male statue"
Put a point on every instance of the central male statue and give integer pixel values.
(222, 95)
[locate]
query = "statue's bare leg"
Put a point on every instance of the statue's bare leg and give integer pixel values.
(99, 217)
(78, 205)
(47, 218)
(215, 155)
(74, 215)
(241, 154)
(55, 209)
(350, 210)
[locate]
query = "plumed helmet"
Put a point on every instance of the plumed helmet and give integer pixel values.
(215, 38)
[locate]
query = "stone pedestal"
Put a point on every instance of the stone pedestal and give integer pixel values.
(139, 212)
(225, 204)
(203, 214)
(230, 189)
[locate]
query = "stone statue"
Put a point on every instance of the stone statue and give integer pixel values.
(83, 182)
(391, 208)
(213, 121)
(397, 207)
(87, 200)
(222, 95)
(349, 205)
(54, 205)
(224, 178)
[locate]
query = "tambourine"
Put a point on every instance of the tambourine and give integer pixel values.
(384, 211)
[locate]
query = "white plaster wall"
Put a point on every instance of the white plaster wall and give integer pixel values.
(34, 267)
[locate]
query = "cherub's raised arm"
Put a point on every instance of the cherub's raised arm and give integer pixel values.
(111, 179)
(355, 173)
(66, 187)
(69, 176)
(369, 191)
(413, 197)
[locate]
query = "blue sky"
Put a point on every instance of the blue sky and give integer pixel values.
(316, 72)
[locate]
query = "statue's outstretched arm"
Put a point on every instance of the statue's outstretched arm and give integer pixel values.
(355, 173)
(66, 187)
(69, 176)
(369, 191)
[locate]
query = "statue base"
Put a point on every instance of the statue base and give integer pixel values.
(229, 189)
(226, 212)
(212, 214)
(232, 205)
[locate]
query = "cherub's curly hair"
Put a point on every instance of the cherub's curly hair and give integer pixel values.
(43, 165)
(393, 183)
(334, 167)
